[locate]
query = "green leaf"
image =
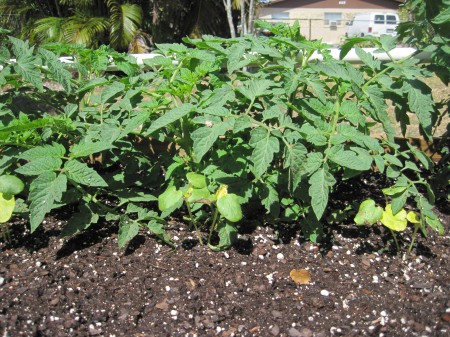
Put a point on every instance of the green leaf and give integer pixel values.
(170, 117)
(265, 146)
(227, 236)
(40, 165)
(368, 213)
(255, 88)
(45, 192)
(270, 199)
(436, 224)
(26, 63)
(94, 83)
(318, 191)
(196, 180)
(10, 185)
(56, 67)
(7, 204)
(396, 222)
(128, 230)
(170, 198)
(394, 190)
(229, 207)
(295, 156)
(236, 52)
(443, 16)
(199, 195)
(421, 103)
(312, 228)
(80, 221)
(83, 174)
(158, 229)
(111, 90)
(205, 137)
(351, 160)
(50, 151)
(368, 59)
(84, 149)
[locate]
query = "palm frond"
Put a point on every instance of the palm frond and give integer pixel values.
(47, 30)
(86, 31)
(125, 22)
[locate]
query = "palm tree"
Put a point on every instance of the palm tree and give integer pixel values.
(88, 22)
(91, 23)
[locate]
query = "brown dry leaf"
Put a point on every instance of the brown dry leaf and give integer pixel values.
(300, 276)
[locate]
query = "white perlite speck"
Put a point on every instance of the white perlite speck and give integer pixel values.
(2, 280)
(324, 292)
(280, 256)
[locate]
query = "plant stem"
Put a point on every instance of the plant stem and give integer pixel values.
(192, 221)
(395, 240)
(213, 225)
(416, 228)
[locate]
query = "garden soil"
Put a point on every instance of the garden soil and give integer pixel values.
(354, 284)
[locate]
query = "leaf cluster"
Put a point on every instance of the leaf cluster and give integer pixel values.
(254, 114)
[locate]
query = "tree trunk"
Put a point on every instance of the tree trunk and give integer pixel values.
(251, 17)
(227, 5)
(243, 19)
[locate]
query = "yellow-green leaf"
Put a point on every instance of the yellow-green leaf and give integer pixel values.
(396, 222)
(413, 217)
(6, 208)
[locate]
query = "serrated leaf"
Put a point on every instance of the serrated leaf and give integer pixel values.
(170, 117)
(265, 146)
(396, 222)
(196, 180)
(229, 207)
(314, 160)
(56, 67)
(318, 191)
(45, 192)
(87, 148)
(227, 236)
(255, 88)
(270, 199)
(7, 204)
(205, 137)
(398, 201)
(436, 224)
(110, 91)
(351, 160)
(26, 63)
(170, 198)
(49, 151)
(368, 59)
(83, 174)
(10, 185)
(312, 228)
(242, 123)
(158, 229)
(295, 157)
(80, 221)
(91, 84)
(235, 54)
(421, 103)
(128, 230)
(368, 213)
(40, 165)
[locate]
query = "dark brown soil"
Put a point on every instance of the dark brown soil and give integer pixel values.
(85, 286)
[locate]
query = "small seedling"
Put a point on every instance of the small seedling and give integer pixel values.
(369, 214)
(9, 187)
(225, 207)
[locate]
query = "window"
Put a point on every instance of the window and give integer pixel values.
(391, 19)
(332, 19)
(280, 15)
(379, 19)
